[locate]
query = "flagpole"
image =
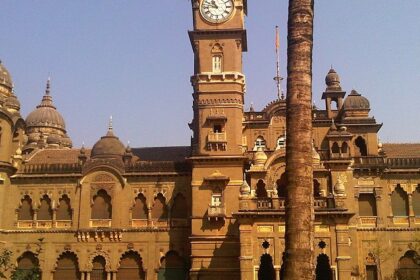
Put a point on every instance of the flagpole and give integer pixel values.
(278, 78)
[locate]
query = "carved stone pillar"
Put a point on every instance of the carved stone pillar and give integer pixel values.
(412, 216)
(149, 215)
(344, 264)
(88, 275)
(246, 258)
(108, 275)
(35, 218)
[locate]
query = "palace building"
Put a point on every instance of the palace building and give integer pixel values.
(214, 209)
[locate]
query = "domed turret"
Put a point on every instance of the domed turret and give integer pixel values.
(46, 122)
(355, 101)
(12, 104)
(6, 83)
(332, 80)
(109, 146)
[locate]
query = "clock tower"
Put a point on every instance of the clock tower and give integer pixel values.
(218, 40)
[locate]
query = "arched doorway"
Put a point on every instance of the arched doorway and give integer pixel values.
(261, 192)
(266, 270)
(98, 268)
(282, 186)
(27, 267)
(323, 269)
(409, 266)
(131, 267)
(67, 267)
(172, 267)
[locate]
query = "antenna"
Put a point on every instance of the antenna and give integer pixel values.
(278, 78)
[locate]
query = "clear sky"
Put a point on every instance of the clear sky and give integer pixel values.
(132, 59)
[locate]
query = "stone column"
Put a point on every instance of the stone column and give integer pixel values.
(88, 275)
(114, 275)
(246, 258)
(344, 265)
(108, 275)
(411, 215)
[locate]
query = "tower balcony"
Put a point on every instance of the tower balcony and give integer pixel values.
(216, 212)
(216, 137)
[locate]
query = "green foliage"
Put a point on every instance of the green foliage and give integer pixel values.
(6, 265)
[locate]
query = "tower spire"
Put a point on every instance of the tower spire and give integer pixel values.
(47, 88)
(278, 78)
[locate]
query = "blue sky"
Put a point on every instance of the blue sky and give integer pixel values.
(133, 60)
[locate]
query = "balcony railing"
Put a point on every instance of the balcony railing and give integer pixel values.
(103, 223)
(216, 137)
(369, 162)
(278, 204)
(216, 212)
(403, 162)
(63, 224)
(368, 221)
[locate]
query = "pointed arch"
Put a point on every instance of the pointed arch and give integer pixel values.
(131, 266)
(323, 269)
(27, 266)
(261, 191)
(266, 270)
(102, 207)
(139, 210)
(409, 266)
(399, 202)
(416, 201)
(179, 208)
(45, 212)
(282, 186)
(259, 142)
(67, 267)
(317, 188)
(98, 268)
(64, 210)
(335, 149)
(159, 210)
(26, 211)
(360, 143)
(173, 266)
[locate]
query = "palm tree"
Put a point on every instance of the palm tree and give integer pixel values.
(299, 259)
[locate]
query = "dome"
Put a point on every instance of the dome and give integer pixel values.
(108, 146)
(12, 103)
(5, 78)
(355, 101)
(46, 114)
(332, 80)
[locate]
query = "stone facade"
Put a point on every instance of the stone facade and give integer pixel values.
(215, 209)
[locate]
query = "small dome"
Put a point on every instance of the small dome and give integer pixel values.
(66, 141)
(5, 78)
(46, 114)
(260, 157)
(355, 101)
(108, 146)
(12, 103)
(332, 80)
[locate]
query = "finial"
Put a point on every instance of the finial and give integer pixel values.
(110, 124)
(278, 78)
(47, 89)
(251, 107)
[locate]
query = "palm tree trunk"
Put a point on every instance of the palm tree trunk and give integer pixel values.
(299, 258)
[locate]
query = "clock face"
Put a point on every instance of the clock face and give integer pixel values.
(216, 10)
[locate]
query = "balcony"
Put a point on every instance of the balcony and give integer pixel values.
(139, 223)
(369, 162)
(25, 224)
(403, 163)
(368, 221)
(216, 212)
(63, 224)
(268, 204)
(100, 223)
(216, 137)
(44, 224)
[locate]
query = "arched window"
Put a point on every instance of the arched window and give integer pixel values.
(26, 212)
(416, 201)
(180, 207)
(371, 272)
(172, 267)
(367, 204)
(140, 208)
(159, 210)
(345, 149)
(102, 207)
(131, 267)
(335, 149)
(282, 186)
(45, 211)
(281, 142)
(361, 145)
(260, 142)
(217, 63)
(261, 191)
(266, 270)
(98, 268)
(317, 188)
(408, 266)
(27, 267)
(64, 212)
(323, 269)
(67, 267)
(399, 201)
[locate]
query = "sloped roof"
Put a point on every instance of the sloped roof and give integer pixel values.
(402, 150)
(177, 153)
(51, 156)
